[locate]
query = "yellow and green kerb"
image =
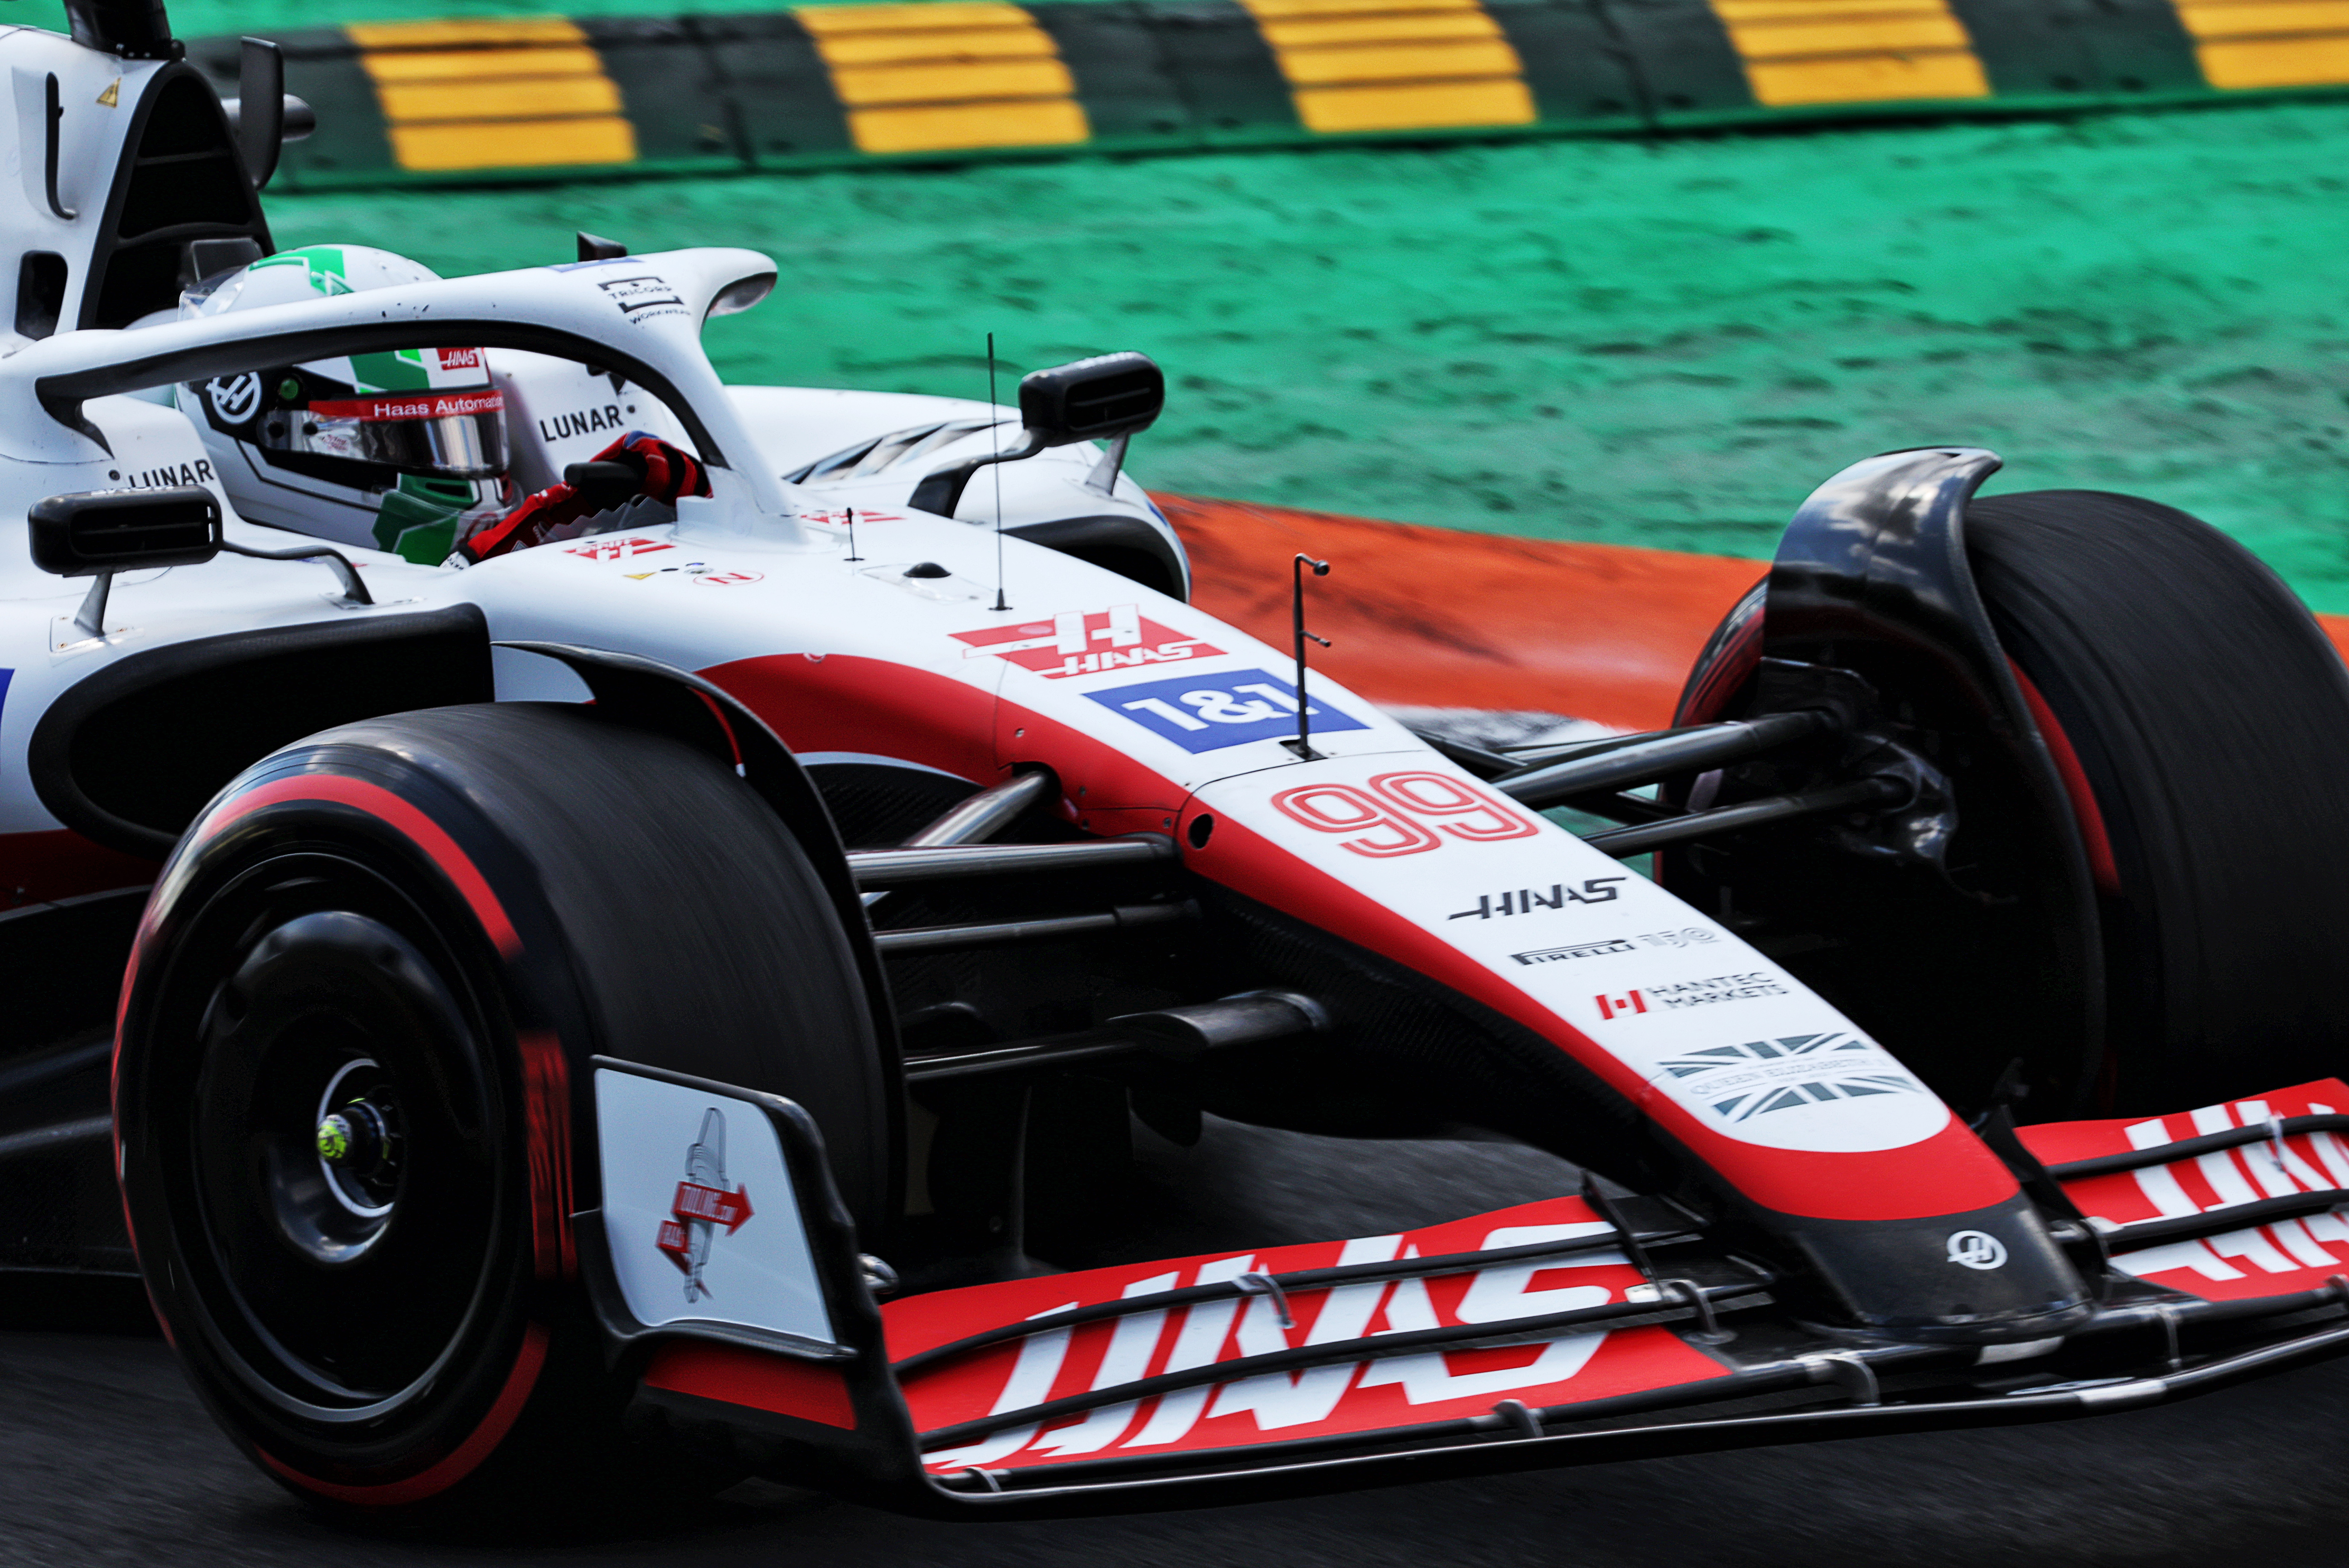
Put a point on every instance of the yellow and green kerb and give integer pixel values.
(846, 84)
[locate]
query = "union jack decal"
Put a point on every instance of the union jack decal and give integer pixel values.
(1759, 1076)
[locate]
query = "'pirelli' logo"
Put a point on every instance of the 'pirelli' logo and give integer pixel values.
(1574, 951)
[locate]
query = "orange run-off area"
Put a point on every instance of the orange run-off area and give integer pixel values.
(1441, 618)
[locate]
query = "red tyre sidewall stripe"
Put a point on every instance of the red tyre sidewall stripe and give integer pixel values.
(377, 802)
(546, 1108)
(461, 1462)
(2085, 810)
(1734, 663)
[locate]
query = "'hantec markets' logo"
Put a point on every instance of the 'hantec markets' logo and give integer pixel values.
(1680, 996)
(701, 1205)
(1760, 1076)
(1074, 643)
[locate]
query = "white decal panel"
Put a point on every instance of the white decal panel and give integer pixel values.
(698, 1209)
(1695, 1013)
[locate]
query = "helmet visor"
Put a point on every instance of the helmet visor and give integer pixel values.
(444, 435)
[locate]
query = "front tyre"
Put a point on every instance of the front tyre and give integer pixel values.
(353, 1051)
(2199, 719)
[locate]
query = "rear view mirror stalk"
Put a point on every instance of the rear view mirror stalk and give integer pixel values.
(103, 532)
(353, 590)
(261, 109)
(1104, 478)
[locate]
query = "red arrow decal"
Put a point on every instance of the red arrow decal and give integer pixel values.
(715, 1204)
(677, 1242)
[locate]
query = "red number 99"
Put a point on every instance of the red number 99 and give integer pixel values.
(1435, 795)
(1342, 808)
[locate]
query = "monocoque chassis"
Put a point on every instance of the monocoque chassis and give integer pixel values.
(709, 1064)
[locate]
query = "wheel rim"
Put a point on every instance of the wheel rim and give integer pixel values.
(337, 1159)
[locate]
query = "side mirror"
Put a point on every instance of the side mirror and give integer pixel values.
(262, 114)
(1109, 397)
(104, 531)
(125, 531)
(1100, 398)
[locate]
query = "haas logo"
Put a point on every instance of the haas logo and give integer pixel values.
(702, 1204)
(235, 400)
(1976, 1250)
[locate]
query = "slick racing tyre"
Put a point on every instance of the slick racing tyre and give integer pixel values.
(2199, 720)
(423, 927)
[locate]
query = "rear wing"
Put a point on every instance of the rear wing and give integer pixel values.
(1587, 1328)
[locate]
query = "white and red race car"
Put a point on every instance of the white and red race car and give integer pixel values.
(654, 1007)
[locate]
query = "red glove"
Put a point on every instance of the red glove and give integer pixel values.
(635, 464)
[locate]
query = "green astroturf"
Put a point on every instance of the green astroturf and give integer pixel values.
(1662, 343)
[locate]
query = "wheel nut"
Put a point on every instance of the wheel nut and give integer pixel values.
(355, 1139)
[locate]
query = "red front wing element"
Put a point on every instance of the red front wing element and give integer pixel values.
(1342, 1397)
(2267, 1256)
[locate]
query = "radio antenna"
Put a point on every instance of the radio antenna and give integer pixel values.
(851, 535)
(1303, 744)
(995, 461)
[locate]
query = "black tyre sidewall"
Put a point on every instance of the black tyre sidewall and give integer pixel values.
(592, 890)
(2209, 716)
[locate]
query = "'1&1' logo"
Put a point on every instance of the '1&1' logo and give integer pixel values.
(1237, 708)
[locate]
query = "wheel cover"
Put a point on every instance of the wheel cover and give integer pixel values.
(337, 1284)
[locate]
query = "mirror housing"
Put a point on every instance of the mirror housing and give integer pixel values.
(1109, 397)
(103, 530)
(1100, 398)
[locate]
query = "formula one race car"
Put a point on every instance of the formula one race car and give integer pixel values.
(634, 1011)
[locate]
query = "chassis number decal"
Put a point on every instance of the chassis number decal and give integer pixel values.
(1380, 820)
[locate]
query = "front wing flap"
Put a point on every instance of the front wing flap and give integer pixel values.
(1584, 1328)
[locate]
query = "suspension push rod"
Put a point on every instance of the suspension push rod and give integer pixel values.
(1644, 761)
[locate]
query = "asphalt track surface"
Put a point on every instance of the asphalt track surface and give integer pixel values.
(107, 1459)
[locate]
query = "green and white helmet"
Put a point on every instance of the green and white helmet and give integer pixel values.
(383, 450)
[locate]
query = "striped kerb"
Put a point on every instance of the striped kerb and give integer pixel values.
(1851, 51)
(526, 93)
(938, 77)
(2269, 43)
(1394, 64)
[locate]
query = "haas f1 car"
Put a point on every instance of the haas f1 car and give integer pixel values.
(670, 1001)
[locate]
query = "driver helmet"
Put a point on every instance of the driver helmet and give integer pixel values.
(401, 451)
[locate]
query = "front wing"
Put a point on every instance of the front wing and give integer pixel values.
(1587, 1328)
